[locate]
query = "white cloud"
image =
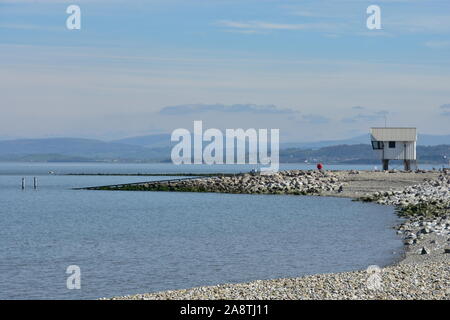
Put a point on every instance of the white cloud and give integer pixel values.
(57, 88)
(29, 27)
(418, 23)
(235, 108)
(254, 26)
(49, 1)
(260, 25)
(437, 44)
(302, 13)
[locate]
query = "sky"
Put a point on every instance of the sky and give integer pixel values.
(310, 68)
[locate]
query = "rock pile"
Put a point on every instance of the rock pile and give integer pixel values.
(284, 182)
(437, 191)
(427, 207)
(421, 230)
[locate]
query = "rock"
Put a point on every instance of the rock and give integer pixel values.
(447, 250)
(425, 250)
(411, 236)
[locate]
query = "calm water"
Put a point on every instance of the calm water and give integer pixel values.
(135, 242)
(134, 168)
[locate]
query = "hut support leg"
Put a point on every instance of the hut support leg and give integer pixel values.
(385, 164)
(407, 165)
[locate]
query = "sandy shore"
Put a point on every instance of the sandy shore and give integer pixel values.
(423, 273)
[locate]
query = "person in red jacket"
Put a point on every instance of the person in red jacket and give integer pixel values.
(319, 166)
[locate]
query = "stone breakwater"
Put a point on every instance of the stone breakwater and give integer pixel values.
(285, 182)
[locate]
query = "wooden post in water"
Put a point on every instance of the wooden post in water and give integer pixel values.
(23, 183)
(35, 183)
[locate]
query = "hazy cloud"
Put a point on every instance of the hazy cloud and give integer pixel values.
(255, 25)
(421, 23)
(31, 27)
(258, 26)
(366, 117)
(315, 119)
(437, 44)
(235, 108)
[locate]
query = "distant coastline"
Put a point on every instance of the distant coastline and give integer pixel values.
(158, 150)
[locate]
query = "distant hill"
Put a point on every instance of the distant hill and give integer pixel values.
(363, 139)
(432, 140)
(422, 139)
(73, 148)
(332, 154)
(359, 153)
(150, 141)
(157, 148)
(45, 158)
(163, 140)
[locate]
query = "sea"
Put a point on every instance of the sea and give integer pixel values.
(124, 242)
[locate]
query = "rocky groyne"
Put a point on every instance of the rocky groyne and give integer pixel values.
(285, 182)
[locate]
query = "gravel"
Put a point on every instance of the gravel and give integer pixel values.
(429, 280)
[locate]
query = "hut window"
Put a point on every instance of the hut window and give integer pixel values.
(377, 145)
(392, 144)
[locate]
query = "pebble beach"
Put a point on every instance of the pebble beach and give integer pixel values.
(422, 198)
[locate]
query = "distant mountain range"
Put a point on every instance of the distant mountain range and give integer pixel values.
(359, 154)
(422, 140)
(150, 141)
(156, 148)
(75, 149)
(163, 140)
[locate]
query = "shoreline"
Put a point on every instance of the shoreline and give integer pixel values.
(422, 272)
(355, 184)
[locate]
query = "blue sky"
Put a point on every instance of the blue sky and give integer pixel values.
(227, 62)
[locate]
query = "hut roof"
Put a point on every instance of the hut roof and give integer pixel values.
(393, 134)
